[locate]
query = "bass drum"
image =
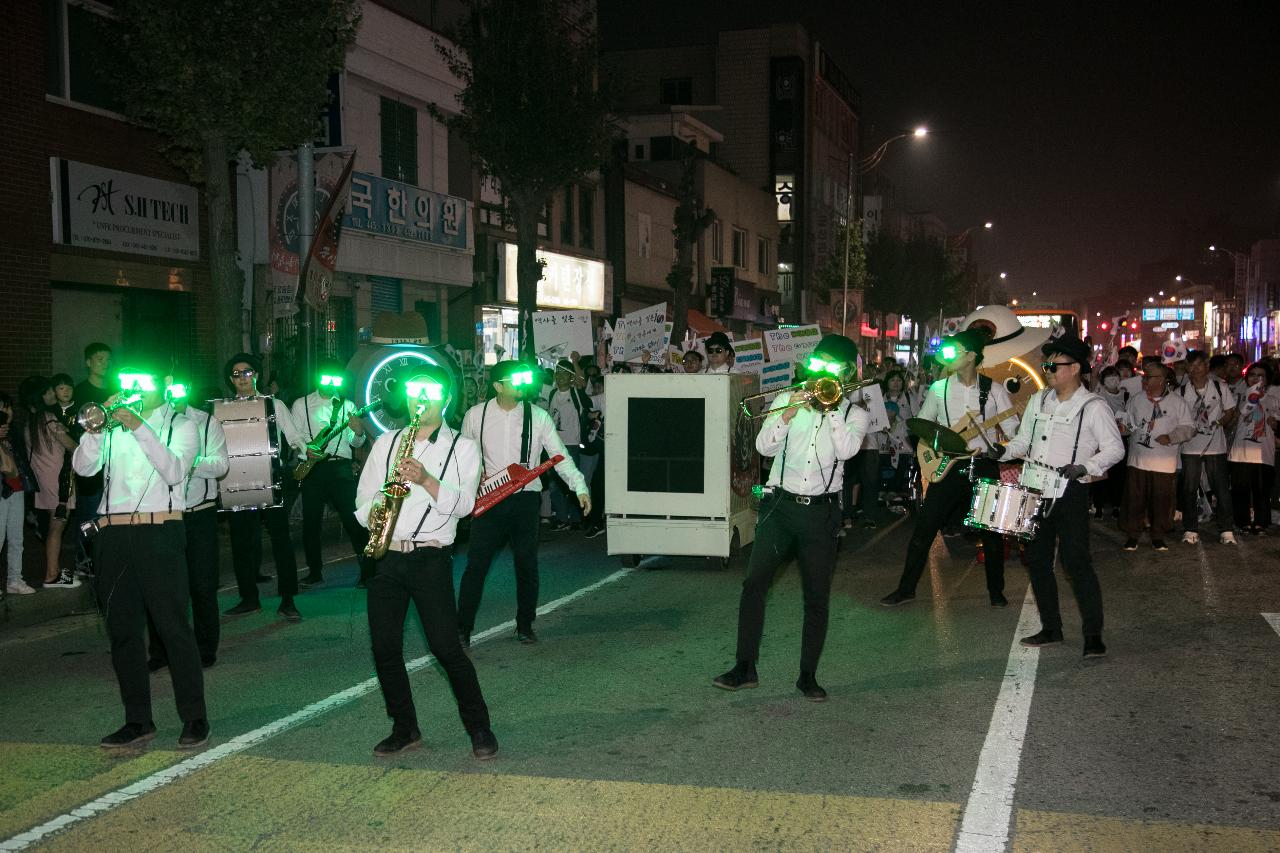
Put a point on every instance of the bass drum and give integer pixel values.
(377, 372)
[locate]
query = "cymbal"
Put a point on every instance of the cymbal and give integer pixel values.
(936, 435)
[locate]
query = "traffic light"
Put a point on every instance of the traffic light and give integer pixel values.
(1104, 325)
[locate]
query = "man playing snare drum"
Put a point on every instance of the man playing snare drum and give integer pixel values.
(1068, 437)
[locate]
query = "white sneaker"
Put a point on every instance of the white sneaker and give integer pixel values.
(18, 587)
(1190, 538)
(1227, 538)
(65, 580)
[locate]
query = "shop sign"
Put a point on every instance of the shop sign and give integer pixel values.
(720, 292)
(393, 209)
(99, 208)
(567, 282)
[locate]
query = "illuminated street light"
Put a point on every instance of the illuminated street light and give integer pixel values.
(920, 131)
(986, 225)
(1151, 299)
(1013, 302)
(1175, 278)
(866, 164)
(1162, 292)
(1033, 293)
(1004, 275)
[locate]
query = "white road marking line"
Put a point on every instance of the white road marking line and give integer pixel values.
(1273, 619)
(985, 826)
(159, 779)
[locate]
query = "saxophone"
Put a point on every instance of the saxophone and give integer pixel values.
(386, 511)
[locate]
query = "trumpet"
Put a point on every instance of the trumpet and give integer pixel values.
(823, 394)
(96, 418)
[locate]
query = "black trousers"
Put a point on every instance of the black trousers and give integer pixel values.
(142, 571)
(1066, 529)
(246, 550)
(809, 532)
(862, 470)
(1250, 496)
(424, 577)
(202, 585)
(951, 496)
(333, 483)
(515, 520)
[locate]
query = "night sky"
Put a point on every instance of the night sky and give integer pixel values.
(1097, 138)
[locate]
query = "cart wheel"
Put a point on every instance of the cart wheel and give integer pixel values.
(631, 561)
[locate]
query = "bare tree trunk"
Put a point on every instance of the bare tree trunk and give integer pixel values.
(228, 283)
(528, 272)
(681, 284)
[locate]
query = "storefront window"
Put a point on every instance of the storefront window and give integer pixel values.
(500, 331)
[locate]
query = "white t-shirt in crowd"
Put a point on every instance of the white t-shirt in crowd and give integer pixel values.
(560, 405)
(1147, 421)
(1207, 407)
(1254, 441)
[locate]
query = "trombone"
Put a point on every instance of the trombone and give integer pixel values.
(95, 418)
(824, 394)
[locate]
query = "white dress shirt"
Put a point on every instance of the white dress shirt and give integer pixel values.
(1047, 438)
(949, 400)
(1254, 441)
(424, 518)
(816, 444)
(1147, 421)
(211, 460)
(503, 432)
(144, 469)
(311, 415)
(1207, 407)
(724, 368)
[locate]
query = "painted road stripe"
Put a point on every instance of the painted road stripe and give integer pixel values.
(1273, 619)
(239, 744)
(985, 826)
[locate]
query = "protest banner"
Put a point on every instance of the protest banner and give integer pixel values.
(646, 331)
(557, 334)
(748, 356)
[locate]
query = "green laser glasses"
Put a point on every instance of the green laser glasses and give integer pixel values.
(175, 392)
(327, 381)
(137, 382)
(519, 380)
(949, 353)
(433, 391)
(818, 365)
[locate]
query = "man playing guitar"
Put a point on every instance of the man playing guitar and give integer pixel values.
(958, 401)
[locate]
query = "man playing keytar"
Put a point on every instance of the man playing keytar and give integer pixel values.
(800, 514)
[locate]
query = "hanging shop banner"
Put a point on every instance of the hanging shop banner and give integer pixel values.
(557, 334)
(99, 208)
(283, 236)
(322, 260)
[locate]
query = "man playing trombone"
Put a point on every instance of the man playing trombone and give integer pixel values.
(809, 442)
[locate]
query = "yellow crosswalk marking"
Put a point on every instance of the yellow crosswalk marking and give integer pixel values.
(1072, 833)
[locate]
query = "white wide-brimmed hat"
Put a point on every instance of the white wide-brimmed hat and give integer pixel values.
(1006, 337)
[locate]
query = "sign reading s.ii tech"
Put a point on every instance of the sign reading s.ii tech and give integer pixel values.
(99, 208)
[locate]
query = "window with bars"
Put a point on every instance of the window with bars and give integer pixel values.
(399, 141)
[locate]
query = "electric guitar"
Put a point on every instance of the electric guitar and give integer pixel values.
(326, 435)
(934, 464)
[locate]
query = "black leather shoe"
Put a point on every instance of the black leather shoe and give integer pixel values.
(895, 598)
(998, 600)
(195, 733)
(484, 745)
(808, 685)
(207, 661)
(156, 664)
(363, 583)
(1094, 647)
(130, 734)
(397, 742)
(288, 612)
(243, 608)
(741, 677)
(312, 579)
(1042, 638)
(261, 578)
(526, 636)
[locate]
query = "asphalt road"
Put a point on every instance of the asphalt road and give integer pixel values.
(940, 733)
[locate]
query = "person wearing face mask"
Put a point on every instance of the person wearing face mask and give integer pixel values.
(1156, 422)
(1068, 437)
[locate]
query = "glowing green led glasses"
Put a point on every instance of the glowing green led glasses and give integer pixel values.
(519, 380)
(327, 381)
(820, 365)
(418, 390)
(950, 352)
(137, 382)
(175, 392)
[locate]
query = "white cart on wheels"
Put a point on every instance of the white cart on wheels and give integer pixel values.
(680, 463)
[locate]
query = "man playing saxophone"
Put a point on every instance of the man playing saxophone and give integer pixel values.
(417, 483)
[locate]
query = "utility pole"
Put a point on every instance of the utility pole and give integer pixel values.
(306, 231)
(848, 229)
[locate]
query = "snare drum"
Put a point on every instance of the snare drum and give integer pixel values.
(253, 479)
(1005, 508)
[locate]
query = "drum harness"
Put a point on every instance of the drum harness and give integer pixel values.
(1075, 448)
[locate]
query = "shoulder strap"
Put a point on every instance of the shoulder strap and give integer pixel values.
(526, 434)
(443, 468)
(1075, 448)
(984, 391)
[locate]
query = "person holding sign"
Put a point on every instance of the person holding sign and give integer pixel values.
(800, 512)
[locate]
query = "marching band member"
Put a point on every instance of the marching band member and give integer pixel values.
(957, 401)
(243, 371)
(1068, 438)
(331, 480)
(140, 555)
(200, 518)
(442, 470)
(509, 429)
(719, 353)
(802, 513)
